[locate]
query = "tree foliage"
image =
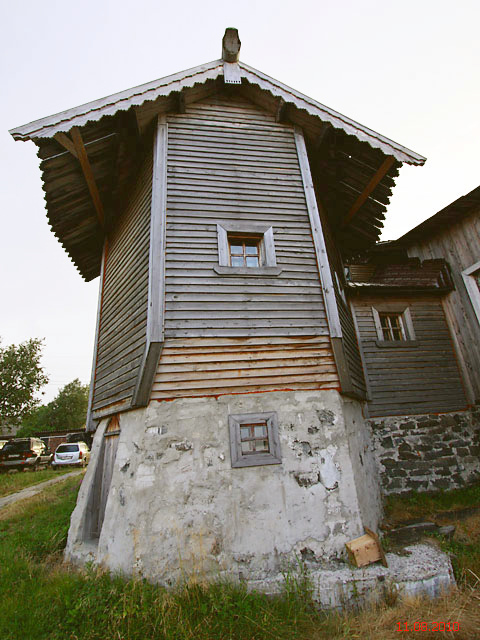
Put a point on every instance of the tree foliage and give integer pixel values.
(67, 410)
(21, 376)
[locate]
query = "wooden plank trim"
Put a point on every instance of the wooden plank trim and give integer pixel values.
(380, 173)
(146, 377)
(89, 422)
(88, 173)
(331, 307)
(156, 269)
(156, 285)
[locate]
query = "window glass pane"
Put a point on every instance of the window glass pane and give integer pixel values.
(260, 431)
(262, 445)
(237, 262)
(251, 250)
(248, 447)
(236, 249)
(252, 261)
(244, 433)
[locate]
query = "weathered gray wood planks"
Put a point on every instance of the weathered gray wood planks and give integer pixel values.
(123, 314)
(418, 376)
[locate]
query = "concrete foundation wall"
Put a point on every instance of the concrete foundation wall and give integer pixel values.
(428, 452)
(176, 507)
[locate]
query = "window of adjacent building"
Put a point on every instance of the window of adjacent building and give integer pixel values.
(245, 251)
(393, 324)
(471, 278)
(254, 439)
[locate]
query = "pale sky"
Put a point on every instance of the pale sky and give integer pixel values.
(409, 70)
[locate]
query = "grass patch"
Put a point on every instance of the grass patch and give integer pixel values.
(42, 599)
(13, 482)
(426, 505)
(464, 548)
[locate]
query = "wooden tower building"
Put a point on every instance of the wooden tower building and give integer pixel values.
(217, 206)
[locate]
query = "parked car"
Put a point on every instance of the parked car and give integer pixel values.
(24, 453)
(71, 454)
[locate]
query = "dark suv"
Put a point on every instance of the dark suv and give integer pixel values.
(24, 453)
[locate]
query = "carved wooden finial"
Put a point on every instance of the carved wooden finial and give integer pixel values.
(231, 45)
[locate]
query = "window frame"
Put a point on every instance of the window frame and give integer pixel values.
(471, 286)
(253, 459)
(263, 232)
(405, 317)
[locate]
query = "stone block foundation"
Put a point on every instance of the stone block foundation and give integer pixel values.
(427, 452)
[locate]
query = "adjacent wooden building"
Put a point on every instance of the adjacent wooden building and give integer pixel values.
(453, 234)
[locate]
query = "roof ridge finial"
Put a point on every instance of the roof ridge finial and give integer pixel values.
(231, 45)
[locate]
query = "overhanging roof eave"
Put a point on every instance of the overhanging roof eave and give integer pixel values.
(136, 96)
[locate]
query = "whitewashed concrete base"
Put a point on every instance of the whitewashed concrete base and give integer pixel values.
(177, 509)
(423, 571)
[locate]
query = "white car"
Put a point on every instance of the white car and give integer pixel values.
(75, 454)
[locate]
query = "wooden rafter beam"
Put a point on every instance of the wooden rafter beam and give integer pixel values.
(324, 134)
(65, 141)
(77, 149)
(380, 173)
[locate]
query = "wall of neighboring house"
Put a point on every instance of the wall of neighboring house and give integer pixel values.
(229, 161)
(123, 312)
(414, 376)
(459, 244)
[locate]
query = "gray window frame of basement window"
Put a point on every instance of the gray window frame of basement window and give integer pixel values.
(239, 459)
(265, 234)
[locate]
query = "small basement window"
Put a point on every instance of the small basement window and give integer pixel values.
(254, 439)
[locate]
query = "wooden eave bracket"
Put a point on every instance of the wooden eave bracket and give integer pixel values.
(281, 112)
(377, 177)
(76, 147)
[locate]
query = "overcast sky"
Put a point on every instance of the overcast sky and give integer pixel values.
(409, 70)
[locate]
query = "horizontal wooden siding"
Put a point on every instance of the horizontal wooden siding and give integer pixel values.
(230, 161)
(460, 246)
(210, 367)
(421, 376)
(123, 318)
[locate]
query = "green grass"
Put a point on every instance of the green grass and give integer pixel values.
(413, 505)
(40, 599)
(12, 482)
(464, 548)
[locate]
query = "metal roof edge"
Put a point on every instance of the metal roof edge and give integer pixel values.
(91, 111)
(462, 206)
(96, 109)
(336, 119)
